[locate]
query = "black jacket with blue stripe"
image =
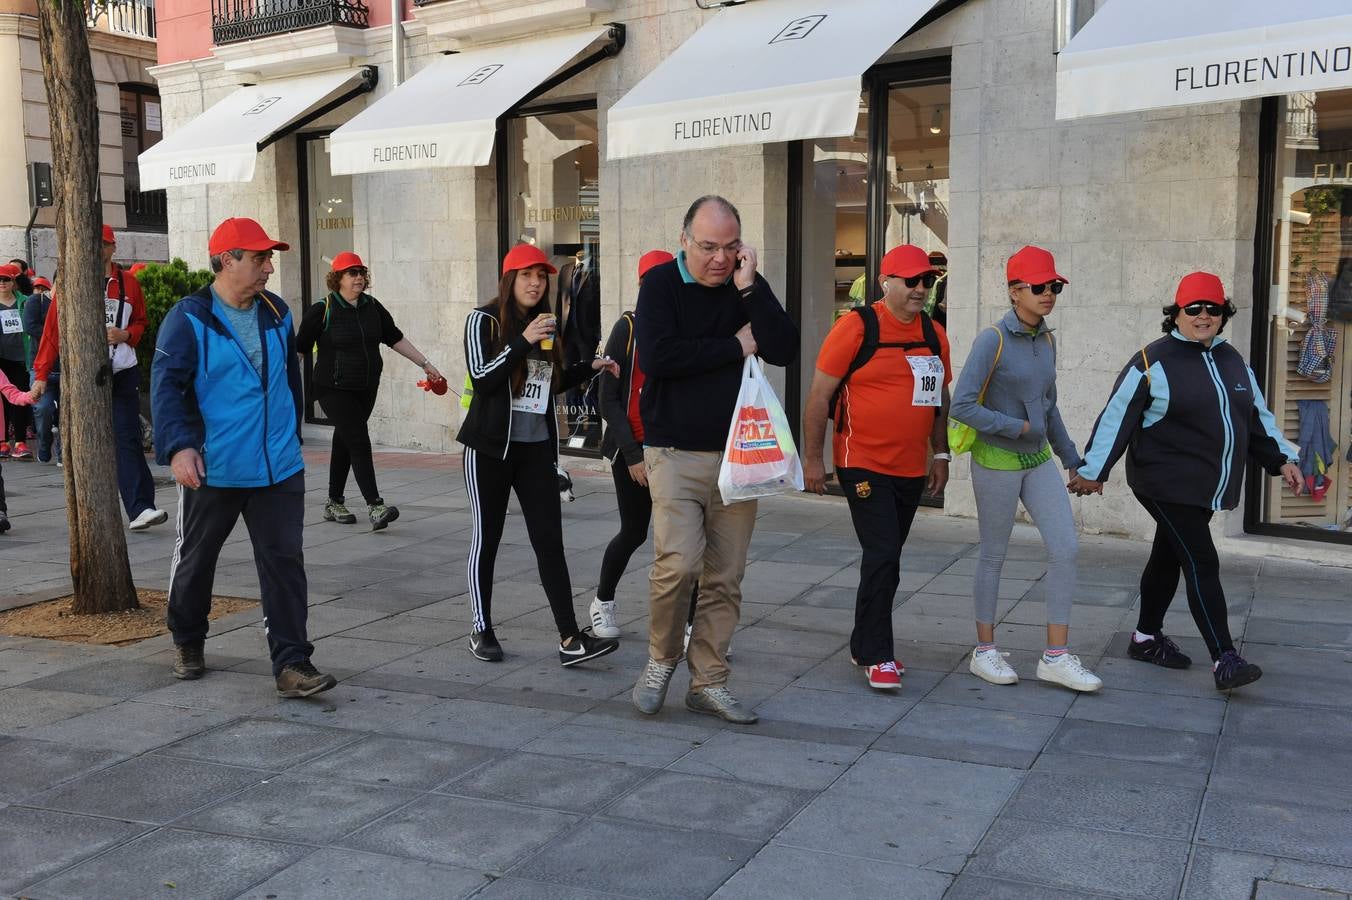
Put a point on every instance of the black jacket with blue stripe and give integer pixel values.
(1188, 417)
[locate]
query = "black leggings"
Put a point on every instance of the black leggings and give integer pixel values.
(17, 418)
(636, 512)
(349, 411)
(529, 471)
(1183, 546)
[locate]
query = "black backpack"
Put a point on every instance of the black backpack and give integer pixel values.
(870, 346)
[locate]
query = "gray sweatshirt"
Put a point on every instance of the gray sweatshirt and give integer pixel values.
(1022, 388)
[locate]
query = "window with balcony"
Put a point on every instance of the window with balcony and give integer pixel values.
(141, 129)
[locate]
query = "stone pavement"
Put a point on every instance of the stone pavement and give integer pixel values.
(426, 773)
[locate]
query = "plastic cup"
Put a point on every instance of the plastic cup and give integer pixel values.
(547, 343)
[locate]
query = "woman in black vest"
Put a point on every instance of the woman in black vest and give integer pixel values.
(349, 325)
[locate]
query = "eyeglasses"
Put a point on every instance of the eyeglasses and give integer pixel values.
(927, 279)
(5, 279)
(1193, 310)
(1038, 289)
(712, 247)
(356, 271)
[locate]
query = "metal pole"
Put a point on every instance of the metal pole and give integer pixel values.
(28, 236)
(397, 40)
(1067, 21)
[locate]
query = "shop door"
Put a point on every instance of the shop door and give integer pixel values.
(885, 185)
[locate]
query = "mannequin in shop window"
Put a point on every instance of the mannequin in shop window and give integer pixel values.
(580, 302)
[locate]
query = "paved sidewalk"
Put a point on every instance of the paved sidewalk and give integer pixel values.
(426, 773)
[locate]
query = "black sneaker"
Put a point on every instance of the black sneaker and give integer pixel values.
(302, 679)
(4, 523)
(190, 662)
(381, 515)
(484, 645)
(584, 647)
(1233, 671)
(1158, 650)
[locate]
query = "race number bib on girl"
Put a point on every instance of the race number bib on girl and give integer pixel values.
(535, 392)
(10, 323)
(929, 380)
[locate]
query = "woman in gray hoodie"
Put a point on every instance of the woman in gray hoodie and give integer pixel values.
(1007, 393)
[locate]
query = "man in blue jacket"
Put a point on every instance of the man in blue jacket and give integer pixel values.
(225, 388)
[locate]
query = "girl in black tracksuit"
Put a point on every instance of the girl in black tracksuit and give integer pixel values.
(349, 325)
(510, 435)
(1188, 414)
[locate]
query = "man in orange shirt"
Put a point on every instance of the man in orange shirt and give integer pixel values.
(882, 375)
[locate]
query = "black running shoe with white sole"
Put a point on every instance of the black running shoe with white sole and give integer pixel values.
(584, 647)
(484, 645)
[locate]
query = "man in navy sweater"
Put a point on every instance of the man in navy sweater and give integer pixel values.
(698, 317)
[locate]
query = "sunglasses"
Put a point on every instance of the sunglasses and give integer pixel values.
(5, 279)
(1038, 289)
(1195, 309)
(356, 272)
(927, 279)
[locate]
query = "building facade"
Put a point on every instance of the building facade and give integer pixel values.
(956, 146)
(122, 49)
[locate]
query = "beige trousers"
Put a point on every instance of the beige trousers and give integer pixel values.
(695, 537)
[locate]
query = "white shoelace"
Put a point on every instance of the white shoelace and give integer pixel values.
(655, 675)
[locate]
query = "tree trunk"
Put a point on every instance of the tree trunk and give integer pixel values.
(98, 544)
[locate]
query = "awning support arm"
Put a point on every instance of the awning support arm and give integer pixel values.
(369, 77)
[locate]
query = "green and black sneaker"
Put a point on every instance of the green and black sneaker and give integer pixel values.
(381, 515)
(335, 511)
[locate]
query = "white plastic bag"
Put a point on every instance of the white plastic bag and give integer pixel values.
(759, 456)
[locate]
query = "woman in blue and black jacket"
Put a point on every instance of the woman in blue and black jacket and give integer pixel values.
(511, 443)
(1188, 413)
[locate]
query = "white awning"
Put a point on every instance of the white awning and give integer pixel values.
(1148, 54)
(447, 114)
(770, 70)
(222, 143)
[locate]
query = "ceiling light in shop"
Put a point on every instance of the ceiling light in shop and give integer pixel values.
(937, 121)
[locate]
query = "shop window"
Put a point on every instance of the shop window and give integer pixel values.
(552, 201)
(884, 185)
(326, 231)
(141, 130)
(1310, 370)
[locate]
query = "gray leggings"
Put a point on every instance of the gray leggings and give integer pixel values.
(1044, 496)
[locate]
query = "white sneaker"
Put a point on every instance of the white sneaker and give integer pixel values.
(147, 518)
(603, 619)
(990, 665)
(1069, 672)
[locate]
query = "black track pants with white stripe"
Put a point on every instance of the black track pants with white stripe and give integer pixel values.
(275, 517)
(529, 471)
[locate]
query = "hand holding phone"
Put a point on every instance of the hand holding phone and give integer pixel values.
(745, 274)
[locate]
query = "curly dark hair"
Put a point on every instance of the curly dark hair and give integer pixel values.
(333, 279)
(1171, 313)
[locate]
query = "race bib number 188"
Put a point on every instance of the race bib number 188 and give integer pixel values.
(929, 380)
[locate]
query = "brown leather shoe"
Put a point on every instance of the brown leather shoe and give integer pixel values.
(190, 662)
(302, 679)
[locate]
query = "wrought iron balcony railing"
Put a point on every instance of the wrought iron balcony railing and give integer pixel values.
(124, 16)
(242, 20)
(146, 210)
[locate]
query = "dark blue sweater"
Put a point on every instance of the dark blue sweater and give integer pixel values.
(691, 358)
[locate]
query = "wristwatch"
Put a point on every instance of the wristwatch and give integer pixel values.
(946, 457)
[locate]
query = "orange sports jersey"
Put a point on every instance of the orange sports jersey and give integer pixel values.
(883, 431)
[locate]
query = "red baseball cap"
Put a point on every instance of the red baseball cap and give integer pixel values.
(242, 234)
(906, 261)
(108, 237)
(9, 270)
(1033, 265)
(41, 282)
(650, 259)
(347, 260)
(523, 256)
(1200, 286)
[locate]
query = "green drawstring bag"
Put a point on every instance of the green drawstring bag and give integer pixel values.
(962, 436)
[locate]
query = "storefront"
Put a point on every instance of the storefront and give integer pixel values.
(839, 132)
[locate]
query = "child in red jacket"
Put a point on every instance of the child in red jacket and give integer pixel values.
(18, 398)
